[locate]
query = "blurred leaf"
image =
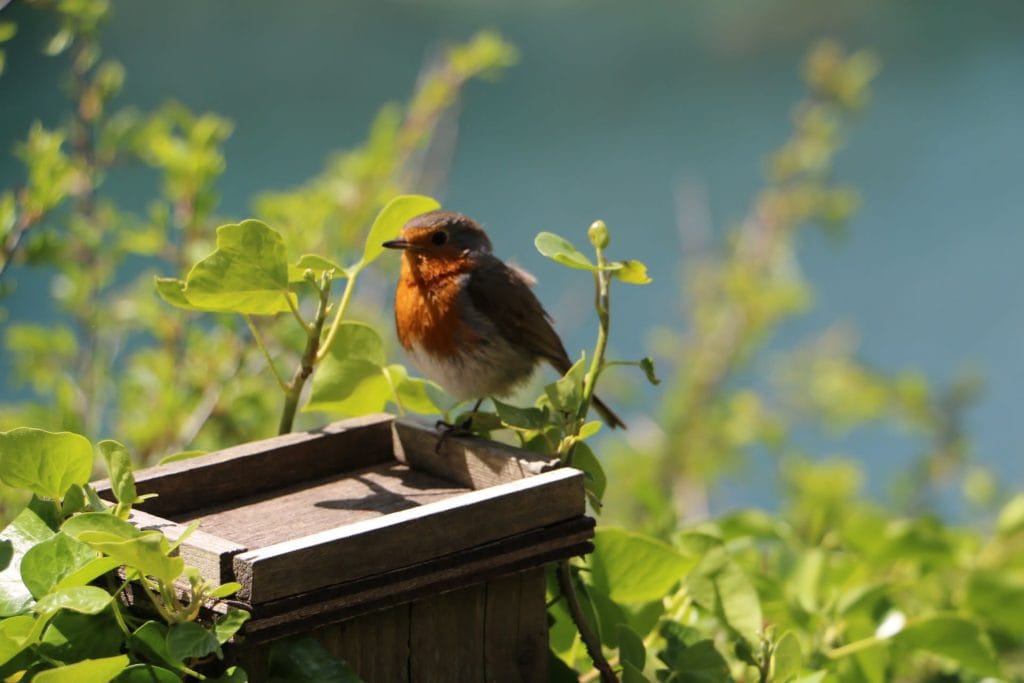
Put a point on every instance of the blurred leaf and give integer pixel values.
(304, 659)
(521, 418)
(584, 459)
(150, 640)
(589, 429)
(389, 222)
(954, 637)
(699, 663)
(630, 567)
(1011, 517)
(787, 659)
(7, 30)
(14, 636)
(247, 273)
(46, 463)
(647, 365)
(317, 264)
(562, 251)
(631, 647)
(413, 393)
(228, 625)
(997, 598)
(179, 456)
(632, 272)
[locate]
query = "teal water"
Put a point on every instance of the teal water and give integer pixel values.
(611, 110)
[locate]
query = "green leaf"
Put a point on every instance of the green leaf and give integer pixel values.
(228, 625)
(14, 636)
(148, 553)
(584, 459)
(564, 395)
(46, 463)
(81, 599)
(352, 379)
(955, 638)
(1011, 517)
(146, 673)
(631, 674)
(88, 573)
(317, 264)
(589, 429)
(189, 640)
(631, 647)
(7, 30)
(647, 365)
(631, 567)
(92, 670)
(71, 636)
(119, 466)
(51, 561)
(414, 393)
(720, 586)
(562, 251)
(226, 589)
(390, 221)
(232, 674)
(24, 532)
(150, 641)
(521, 418)
(247, 273)
(632, 272)
(700, 663)
(304, 659)
(172, 290)
(102, 522)
(997, 598)
(787, 659)
(179, 456)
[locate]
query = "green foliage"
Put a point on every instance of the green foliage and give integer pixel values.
(64, 608)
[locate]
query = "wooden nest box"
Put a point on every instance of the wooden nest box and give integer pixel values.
(407, 563)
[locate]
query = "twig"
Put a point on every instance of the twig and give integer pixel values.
(590, 639)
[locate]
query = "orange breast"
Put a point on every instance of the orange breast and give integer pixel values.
(427, 307)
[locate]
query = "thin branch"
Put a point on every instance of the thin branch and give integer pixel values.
(590, 639)
(270, 361)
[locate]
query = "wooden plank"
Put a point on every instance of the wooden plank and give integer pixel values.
(473, 462)
(310, 507)
(336, 603)
(375, 645)
(532, 658)
(259, 466)
(211, 554)
(501, 630)
(409, 537)
(446, 637)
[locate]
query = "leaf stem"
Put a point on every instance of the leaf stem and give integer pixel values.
(325, 347)
(295, 311)
(293, 390)
(590, 639)
(259, 342)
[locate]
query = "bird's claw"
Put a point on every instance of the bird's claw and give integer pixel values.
(448, 429)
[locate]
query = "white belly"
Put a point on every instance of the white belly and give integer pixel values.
(492, 369)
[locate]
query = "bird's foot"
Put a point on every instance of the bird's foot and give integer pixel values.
(449, 429)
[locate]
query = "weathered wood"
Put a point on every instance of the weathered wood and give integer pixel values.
(446, 641)
(211, 554)
(340, 500)
(409, 536)
(516, 629)
(259, 466)
(376, 645)
(470, 461)
(336, 603)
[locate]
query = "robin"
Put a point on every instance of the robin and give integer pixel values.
(468, 320)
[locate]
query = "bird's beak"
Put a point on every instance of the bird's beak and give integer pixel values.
(397, 244)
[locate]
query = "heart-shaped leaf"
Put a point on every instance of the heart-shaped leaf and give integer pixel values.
(46, 463)
(562, 251)
(389, 222)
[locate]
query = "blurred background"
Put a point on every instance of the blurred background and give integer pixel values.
(659, 119)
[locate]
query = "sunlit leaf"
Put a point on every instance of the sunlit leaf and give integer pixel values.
(562, 251)
(317, 264)
(247, 273)
(521, 418)
(190, 640)
(14, 635)
(172, 290)
(1011, 517)
(119, 467)
(24, 532)
(389, 222)
(48, 563)
(179, 456)
(956, 638)
(92, 670)
(787, 659)
(228, 625)
(46, 463)
(82, 599)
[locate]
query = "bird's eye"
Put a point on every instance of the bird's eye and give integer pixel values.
(439, 237)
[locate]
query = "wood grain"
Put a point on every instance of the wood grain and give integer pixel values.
(376, 645)
(446, 641)
(516, 629)
(259, 466)
(470, 461)
(409, 536)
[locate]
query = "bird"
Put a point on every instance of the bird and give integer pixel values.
(469, 321)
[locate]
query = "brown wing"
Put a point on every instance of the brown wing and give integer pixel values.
(503, 295)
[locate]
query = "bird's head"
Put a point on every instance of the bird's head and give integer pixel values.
(441, 236)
